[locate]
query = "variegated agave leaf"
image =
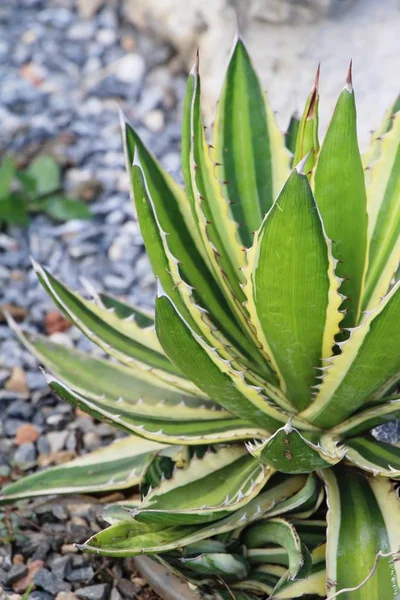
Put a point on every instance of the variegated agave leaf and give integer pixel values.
(269, 555)
(116, 467)
(131, 537)
(230, 327)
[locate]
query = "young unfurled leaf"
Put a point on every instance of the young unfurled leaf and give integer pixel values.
(307, 142)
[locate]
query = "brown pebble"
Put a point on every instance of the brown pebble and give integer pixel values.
(17, 275)
(54, 322)
(66, 596)
(139, 581)
(26, 433)
(67, 548)
(17, 381)
(18, 559)
(79, 521)
(81, 413)
(114, 497)
(128, 43)
(18, 313)
(56, 458)
(33, 73)
(21, 585)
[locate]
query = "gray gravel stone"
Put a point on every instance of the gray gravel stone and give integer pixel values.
(62, 565)
(29, 544)
(50, 583)
(3, 577)
(20, 409)
(93, 592)
(81, 560)
(38, 595)
(35, 380)
(389, 433)
(43, 445)
(115, 595)
(80, 575)
(16, 572)
(4, 375)
(26, 453)
(42, 549)
(60, 512)
(11, 426)
(127, 588)
(5, 470)
(82, 30)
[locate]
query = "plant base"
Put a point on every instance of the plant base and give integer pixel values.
(166, 585)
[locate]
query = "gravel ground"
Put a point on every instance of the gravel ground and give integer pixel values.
(61, 80)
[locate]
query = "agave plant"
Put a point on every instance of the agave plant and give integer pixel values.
(272, 354)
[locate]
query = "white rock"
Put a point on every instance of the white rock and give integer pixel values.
(130, 69)
(106, 37)
(82, 30)
(61, 338)
(74, 177)
(154, 120)
(287, 39)
(57, 440)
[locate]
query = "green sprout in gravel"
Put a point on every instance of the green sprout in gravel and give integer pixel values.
(251, 394)
(37, 188)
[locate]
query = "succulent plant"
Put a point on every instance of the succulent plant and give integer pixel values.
(272, 354)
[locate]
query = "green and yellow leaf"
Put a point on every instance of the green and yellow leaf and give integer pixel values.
(131, 538)
(116, 467)
(248, 146)
(339, 188)
(361, 509)
(383, 194)
(368, 359)
(376, 457)
(155, 423)
(283, 285)
(228, 477)
(307, 143)
(214, 375)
